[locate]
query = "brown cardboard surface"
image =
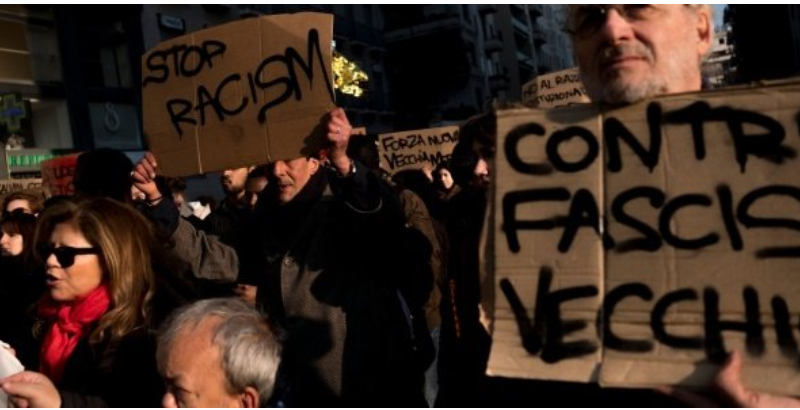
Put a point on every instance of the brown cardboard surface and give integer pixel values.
(31, 185)
(553, 90)
(581, 266)
(58, 173)
(256, 92)
(5, 173)
(412, 149)
(690, 188)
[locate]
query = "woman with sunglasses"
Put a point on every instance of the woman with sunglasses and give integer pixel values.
(97, 345)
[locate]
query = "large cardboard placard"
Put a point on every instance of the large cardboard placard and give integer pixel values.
(553, 90)
(238, 94)
(413, 149)
(58, 174)
(636, 247)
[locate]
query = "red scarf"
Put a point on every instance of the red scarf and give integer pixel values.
(70, 322)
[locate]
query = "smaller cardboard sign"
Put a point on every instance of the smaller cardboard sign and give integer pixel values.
(554, 90)
(413, 149)
(238, 94)
(9, 186)
(58, 173)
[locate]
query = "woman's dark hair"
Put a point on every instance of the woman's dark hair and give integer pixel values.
(477, 139)
(35, 202)
(20, 223)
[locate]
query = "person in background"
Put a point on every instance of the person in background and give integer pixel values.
(443, 179)
(210, 260)
(21, 282)
(325, 246)
(257, 181)
(465, 339)
(27, 202)
(177, 186)
(104, 172)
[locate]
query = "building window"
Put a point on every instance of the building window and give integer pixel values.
(45, 58)
(340, 10)
(116, 67)
(361, 11)
(104, 57)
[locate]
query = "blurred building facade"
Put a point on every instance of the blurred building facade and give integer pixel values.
(70, 76)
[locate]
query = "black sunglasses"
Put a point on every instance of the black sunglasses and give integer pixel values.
(65, 255)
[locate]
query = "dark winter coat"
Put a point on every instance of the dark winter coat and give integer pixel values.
(331, 263)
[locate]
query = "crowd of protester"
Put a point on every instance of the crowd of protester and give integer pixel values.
(319, 280)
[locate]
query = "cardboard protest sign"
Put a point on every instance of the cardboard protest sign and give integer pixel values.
(413, 149)
(58, 173)
(554, 90)
(238, 94)
(523, 266)
(9, 186)
(636, 247)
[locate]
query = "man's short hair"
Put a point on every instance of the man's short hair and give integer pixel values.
(176, 185)
(249, 347)
(104, 172)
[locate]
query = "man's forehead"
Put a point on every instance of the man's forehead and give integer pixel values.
(19, 202)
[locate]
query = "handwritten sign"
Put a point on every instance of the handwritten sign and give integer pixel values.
(9, 186)
(413, 149)
(238, 94)
(637, 246)
(554, 90)
(58, 173)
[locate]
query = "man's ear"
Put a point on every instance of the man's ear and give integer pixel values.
(705, 30)
(313, 165)
(250, 399)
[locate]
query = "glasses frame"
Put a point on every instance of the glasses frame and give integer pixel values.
(629, 12)
(65, 255)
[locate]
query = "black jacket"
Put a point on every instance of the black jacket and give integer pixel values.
(331, 263)
(20, 287)
(113, 374)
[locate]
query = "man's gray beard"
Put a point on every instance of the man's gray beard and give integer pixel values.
(617, 93)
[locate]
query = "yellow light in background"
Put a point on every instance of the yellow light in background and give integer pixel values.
(347, 76)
